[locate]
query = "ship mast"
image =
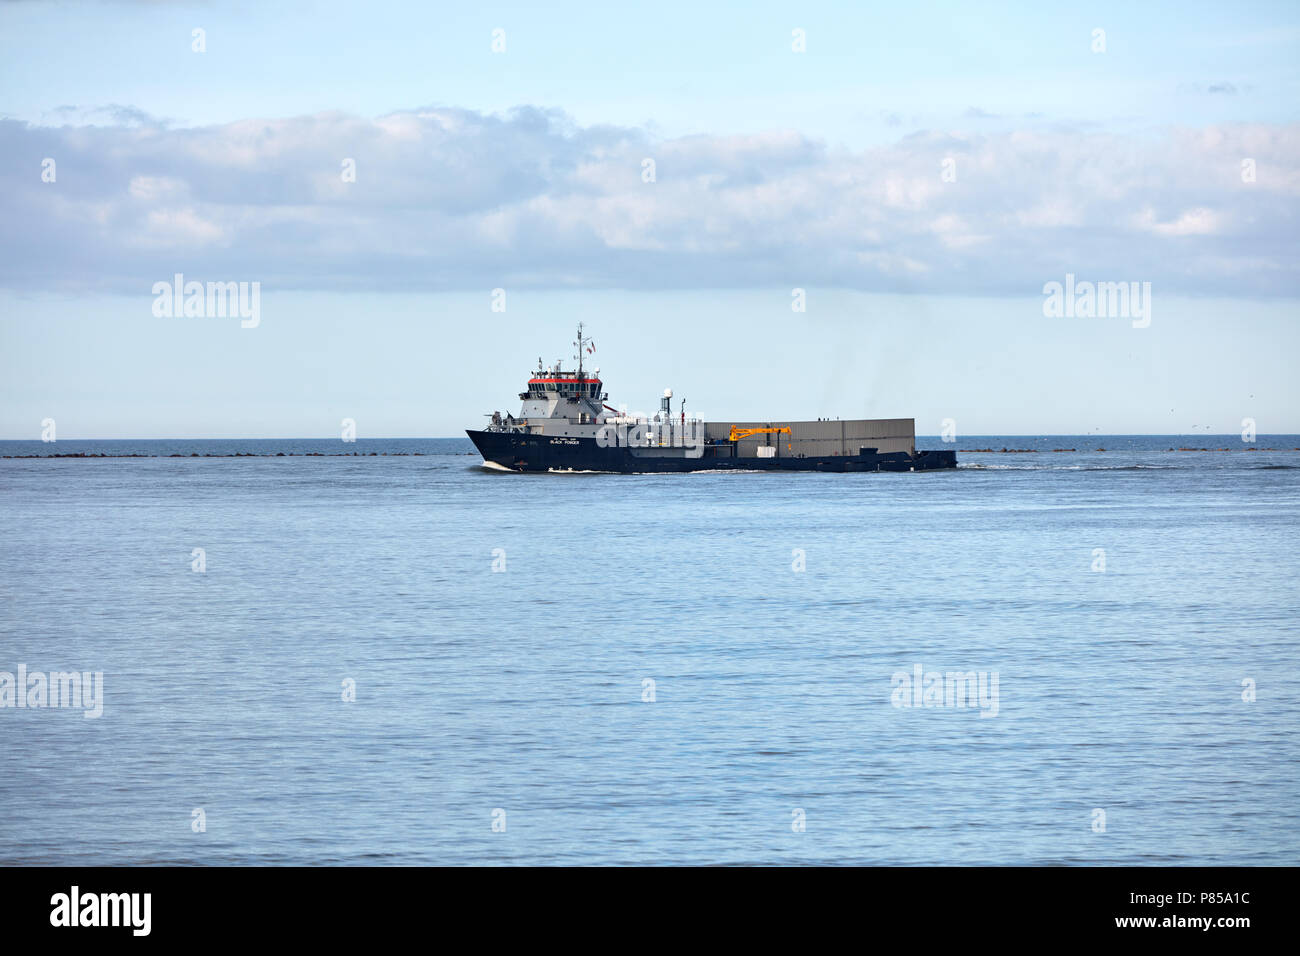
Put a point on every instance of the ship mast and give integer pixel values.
(581, 344)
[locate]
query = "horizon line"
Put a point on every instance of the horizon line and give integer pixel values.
(462, 437)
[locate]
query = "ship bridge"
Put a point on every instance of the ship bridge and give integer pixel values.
(558, 402)
(567, 385)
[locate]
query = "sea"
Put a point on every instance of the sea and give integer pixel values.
(1073, 650)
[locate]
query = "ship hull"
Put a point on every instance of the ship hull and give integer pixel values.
(515, 451)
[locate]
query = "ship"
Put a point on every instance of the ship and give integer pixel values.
(566, 425)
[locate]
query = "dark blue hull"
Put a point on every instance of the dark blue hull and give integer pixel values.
(521, 452)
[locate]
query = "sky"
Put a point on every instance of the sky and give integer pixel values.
(667, 173)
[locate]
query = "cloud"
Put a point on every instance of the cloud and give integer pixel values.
(114, 113)
(1191, 222)
(455, 199)
(1222, 87)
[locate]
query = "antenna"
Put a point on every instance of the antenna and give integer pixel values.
(582, 344)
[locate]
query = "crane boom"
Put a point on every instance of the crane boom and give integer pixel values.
(737, 434)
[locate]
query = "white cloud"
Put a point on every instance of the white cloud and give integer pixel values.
(447, 198)
(1192, 222)
(156, 188)
(178, 226)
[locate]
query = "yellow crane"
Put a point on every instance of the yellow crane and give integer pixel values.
(738, 433)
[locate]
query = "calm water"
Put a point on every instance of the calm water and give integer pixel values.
(522, 689)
